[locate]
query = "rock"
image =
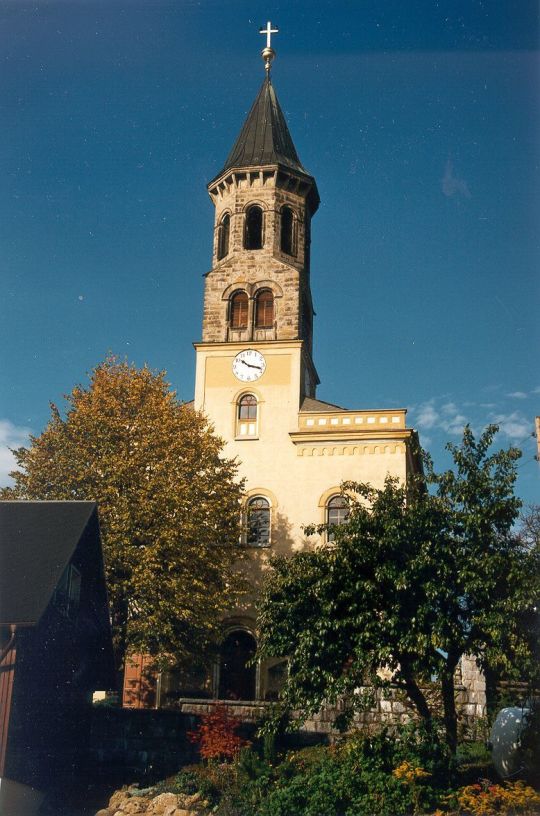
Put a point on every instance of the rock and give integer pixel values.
(104, 812)
(189, 801)
(118, 798)
(183, 812)
(158, 805)
(136, 805)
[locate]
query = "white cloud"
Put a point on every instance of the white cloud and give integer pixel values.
(453, 421)
(11, 436)
(517, 395)
(452, 186)
(446, 417)
(427, 416)
(515, 426)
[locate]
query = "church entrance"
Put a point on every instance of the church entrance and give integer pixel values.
(236, 679)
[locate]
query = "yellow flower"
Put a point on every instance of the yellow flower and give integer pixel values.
(409, 773)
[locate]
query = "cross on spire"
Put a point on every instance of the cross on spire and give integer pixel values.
(268, 31)
(268, 52)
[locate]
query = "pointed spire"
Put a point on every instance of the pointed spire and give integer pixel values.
(264, 138)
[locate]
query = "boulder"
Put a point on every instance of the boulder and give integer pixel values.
(158, 805)
(137, 804)
(118, 798)
(189, 801)
(104, 812)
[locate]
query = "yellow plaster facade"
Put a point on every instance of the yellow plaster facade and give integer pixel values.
(296, 455)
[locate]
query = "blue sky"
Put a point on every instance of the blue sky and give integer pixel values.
(420, 121)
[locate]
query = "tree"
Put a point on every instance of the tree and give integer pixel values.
(168, 505)
(528, 619)
(411, 582)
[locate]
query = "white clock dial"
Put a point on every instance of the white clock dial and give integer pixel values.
(248, 365)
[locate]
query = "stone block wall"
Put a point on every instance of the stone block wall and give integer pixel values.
(287, 275)
(128, 744)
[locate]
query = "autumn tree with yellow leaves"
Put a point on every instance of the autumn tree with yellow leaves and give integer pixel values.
(168, 505)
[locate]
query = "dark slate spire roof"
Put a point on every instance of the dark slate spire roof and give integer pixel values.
(264, 138)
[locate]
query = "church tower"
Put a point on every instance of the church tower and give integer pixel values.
(258, 290)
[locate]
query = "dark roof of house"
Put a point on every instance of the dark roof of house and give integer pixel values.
(314, 405)
(37, 541)
(264, 138)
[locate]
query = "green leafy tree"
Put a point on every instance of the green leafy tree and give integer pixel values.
(501, 689)
(168, 505)
(411, 582)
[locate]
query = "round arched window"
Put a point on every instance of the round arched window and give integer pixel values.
(237, 674)
(247, 407)
(287, 231)
(258, 522)
(246, 417)
(264, 309)
(337, 512)
(238, 312)
(253, 228)
(223, 236)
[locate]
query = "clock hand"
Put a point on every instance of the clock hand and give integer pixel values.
(250, 365)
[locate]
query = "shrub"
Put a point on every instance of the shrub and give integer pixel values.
(381, 775)
(485, 799)
(216, 735)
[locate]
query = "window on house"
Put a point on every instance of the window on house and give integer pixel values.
(253, 228)
(224, 230)
(337, 512)
(258, 522)
(264, 309)
(68, 592)
(246, 419)
(239, 311)
(287, 231)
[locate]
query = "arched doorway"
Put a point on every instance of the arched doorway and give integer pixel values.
(237, 680)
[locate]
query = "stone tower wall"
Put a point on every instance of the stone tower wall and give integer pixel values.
(250, 270)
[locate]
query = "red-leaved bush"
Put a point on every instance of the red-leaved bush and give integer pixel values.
(216, 735)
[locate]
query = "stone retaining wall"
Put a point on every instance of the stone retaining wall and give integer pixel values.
(140, 744)
(390, 707)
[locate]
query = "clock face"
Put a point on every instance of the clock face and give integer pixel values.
(248, 365)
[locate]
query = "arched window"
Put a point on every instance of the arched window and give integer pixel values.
(253, 228)
(238, 316)
(287, 231)
(258, 522)
(247, 407)
(264, 309)
(246, 418)
(337, 512)
(224, 230)
(237, 674)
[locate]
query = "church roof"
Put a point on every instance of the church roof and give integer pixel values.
(264, 138)
(314, 405)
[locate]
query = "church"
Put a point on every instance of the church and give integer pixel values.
(257, 382)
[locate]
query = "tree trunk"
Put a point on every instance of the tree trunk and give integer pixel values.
(416, 696)
(449, 703)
